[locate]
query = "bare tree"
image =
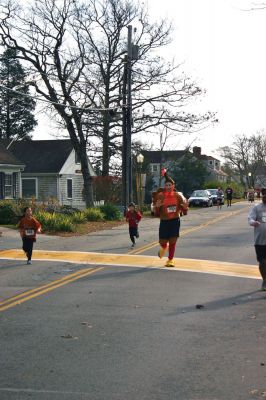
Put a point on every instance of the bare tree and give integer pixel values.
(159, 96)
(75, 56)
(246, 155)
(45, 35)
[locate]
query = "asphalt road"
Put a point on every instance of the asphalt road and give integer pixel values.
(71, 330)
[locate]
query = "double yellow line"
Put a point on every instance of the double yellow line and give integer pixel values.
(31, 294)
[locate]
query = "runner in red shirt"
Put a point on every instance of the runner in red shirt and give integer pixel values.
(133, 218)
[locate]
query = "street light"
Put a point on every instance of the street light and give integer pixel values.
(140, 159)
(249, 179)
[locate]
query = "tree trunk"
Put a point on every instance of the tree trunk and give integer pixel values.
(81, 150)
(106, 156)
(87, 179)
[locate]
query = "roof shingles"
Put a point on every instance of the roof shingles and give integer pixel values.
(42, 156)
(7, 158)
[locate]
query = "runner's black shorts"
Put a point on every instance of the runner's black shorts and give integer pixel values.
(133, 231)
(260, 252)
(169, 228)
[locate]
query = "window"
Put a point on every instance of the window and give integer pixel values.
(29, 187)
(77, 158)
(154, 168)
(69, 188)
(210, 162)
(8, 185)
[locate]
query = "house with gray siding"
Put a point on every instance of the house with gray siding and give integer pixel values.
(48, 170)
(157, 159)
(10, 174)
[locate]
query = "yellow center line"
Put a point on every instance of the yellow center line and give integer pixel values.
(187, 231)
(43, 287)
(31, 294)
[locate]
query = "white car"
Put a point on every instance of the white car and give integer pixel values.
(200, 198)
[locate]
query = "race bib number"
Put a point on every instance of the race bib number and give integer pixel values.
(263, 219)
(29, 232)
(171, 209)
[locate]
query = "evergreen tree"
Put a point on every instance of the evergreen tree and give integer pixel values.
(189, 174)
(16, 111)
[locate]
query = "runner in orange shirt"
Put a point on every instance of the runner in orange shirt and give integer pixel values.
(28, 227)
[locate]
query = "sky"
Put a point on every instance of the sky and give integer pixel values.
(222, 48)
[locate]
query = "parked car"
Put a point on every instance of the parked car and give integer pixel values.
(213, 193)
(181, 194)
(200, 198)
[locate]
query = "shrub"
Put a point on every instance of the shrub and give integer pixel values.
(55, 222)
(111, 212)
(93, 214)
(32, 203)
(78, 217)
(68, 210)
(65, 225)
(10, 212)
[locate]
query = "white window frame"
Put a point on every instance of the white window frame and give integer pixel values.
(154, 167)
(71, 180)
(36, 186)
(9, 196)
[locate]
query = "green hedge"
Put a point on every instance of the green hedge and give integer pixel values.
(62, 219)
(111, 212)
(10, 212)
(93, 214)
(55, 222)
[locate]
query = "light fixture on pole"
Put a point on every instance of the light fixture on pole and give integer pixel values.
(140, 159)
(249, 179)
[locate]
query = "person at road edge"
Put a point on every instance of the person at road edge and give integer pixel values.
(257, 219)
(219, 198)
(229, 196)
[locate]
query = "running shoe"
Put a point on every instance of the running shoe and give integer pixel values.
(133, 245)
(29, 262)
(263, 286)
(170, 263)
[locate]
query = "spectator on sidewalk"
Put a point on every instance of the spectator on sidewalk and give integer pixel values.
(257, 219)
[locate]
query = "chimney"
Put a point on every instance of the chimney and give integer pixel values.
(197, 151)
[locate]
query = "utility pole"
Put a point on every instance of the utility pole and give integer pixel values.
(124, 136)
(129, 114)
(132, 54)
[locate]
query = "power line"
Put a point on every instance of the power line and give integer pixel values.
(56, 103)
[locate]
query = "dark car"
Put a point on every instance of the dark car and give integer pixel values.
(213, 193)
(200, 198)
